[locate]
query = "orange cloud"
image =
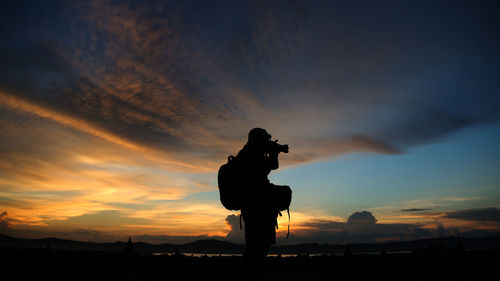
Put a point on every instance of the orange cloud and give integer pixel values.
(23, 105)
(59, 170)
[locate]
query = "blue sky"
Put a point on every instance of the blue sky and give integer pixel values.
(464, 165)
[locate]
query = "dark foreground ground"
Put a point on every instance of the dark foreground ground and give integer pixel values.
(46, 264)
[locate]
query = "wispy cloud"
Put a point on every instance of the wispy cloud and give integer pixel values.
(479, 215)
(415, 210)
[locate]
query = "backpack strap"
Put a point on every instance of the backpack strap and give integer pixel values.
(277, 227)
(288, 233)
(279, 213)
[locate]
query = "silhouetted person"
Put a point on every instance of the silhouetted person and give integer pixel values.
(347, 251)
(129, 248)
(258, 157)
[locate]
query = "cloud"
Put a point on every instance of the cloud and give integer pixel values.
(100, 220)
(479, 215)
(20, 104)
(360, 227)
(4, 222)
(100, 227)
(235, 234)
(141, 77)
(415, 210)
(93, 235)
(362, 217)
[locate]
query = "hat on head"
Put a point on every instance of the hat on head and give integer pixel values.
(258, 135)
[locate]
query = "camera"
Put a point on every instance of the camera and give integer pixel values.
(274, 146)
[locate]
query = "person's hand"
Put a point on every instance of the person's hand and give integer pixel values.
(285, 148)
(279, 147)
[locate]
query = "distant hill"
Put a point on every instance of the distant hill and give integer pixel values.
(399, 246)
(212, 246)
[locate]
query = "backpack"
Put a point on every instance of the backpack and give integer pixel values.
(282, 196)
(230, 184)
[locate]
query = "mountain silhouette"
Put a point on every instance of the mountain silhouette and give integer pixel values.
(213, 246)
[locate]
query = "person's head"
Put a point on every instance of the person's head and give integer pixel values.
(258, 136)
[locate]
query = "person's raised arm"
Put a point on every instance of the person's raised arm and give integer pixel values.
(273, 160)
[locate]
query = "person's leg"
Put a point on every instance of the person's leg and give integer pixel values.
(259, 234)
(251, 246)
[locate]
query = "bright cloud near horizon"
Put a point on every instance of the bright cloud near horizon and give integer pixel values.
(115, 116)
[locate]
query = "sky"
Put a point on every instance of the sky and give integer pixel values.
(116, 115)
